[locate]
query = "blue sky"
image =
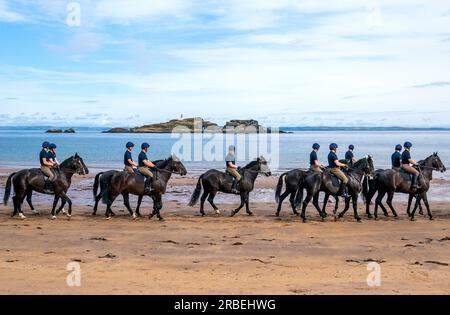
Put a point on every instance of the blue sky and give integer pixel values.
(284, 62)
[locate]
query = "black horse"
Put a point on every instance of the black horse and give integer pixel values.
(103, 180)
(127, 183)
(214, 181)
(27, 181)
(391, 181)
(293, 180)
(315, 182)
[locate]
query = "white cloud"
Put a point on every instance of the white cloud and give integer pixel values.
(7, 15)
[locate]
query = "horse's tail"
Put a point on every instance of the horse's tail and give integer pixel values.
(197, 192)
(8, 189)
(365, 188)
(96, 184)
(279, 187)
(299, 193)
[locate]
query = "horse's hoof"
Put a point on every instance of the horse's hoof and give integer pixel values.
(35, 212)
(413, 219)
(53, 217)
(431, 218)
(203, 215)
(232, 214)
(250, 214)
(21, 216)
(161, 219)
(324, 214)
(63, 211)
(386, 214)
(369, 216)
(108, 218)
(134, 217)
(217, 212)
(421, 212)
(358, 220)
(277, 214)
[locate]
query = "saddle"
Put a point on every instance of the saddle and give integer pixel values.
(409, 176)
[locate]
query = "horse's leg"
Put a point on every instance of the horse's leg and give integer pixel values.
(61, 208)
(316, 205)
(378, 203)
(347, 206)
(247, 204)
(420, 209)
(240, 206)
(159, 206)
(126, 202)
(418, 199)
(20, 201)
(410, 199)
(293, 203)
(202, 203)
(155, 210)
(280, 202)
(55, 203)
(325, 203)
(97, 201)
(369, 198)
(138, 207)
(427, 205)
(355, 208)
(308, 198)
(390, 204)
(211, 197)
(69, 202)
(16, 206)
(30, 202)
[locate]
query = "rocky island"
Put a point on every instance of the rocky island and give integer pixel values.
(70, 130)
(196, 125)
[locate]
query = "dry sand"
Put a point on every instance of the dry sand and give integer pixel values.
(188, 254)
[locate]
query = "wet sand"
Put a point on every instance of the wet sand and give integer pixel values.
(189, 254)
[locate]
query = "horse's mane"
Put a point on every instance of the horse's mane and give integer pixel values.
(251, 164)
(66, 162)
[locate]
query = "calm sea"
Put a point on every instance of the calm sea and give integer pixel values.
(20, 147)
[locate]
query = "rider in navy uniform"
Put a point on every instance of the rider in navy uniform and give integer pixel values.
(396, 158)
(314, 163)
(335, 168)
(144, 167)
(128, 159)
(349, 154)
(46, 167)
(407, 161)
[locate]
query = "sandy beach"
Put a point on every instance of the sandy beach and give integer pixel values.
(189, 254)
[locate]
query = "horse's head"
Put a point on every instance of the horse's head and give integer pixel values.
(177, 166)
(436, 163)
(365, 165)
(264, 166)
(75, 164)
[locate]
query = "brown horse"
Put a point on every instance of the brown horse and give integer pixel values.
(214, 181)
(27, 181)
(391, 181)
(127, 183)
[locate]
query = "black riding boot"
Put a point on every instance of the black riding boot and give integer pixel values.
(344, 190)
(234, 187)
(414, 182)
(148, 185)
(48, 186)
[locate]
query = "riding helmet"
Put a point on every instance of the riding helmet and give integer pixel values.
(46, 144)
(316, 146)
(351, 147)
(52, 146)
(398, 147)
(408, 144)
(130, 145)
(333, 146)
(145, 145)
